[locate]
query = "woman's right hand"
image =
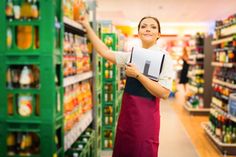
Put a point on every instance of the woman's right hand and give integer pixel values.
(83, 20)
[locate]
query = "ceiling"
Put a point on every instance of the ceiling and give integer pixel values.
(168, 11)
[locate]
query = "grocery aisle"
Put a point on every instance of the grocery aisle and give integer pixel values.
(192, 124)
(173, 135)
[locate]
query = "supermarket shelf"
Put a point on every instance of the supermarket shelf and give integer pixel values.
(229, 149)
(196, 72)
(77, 78)
(76, 131)
(196, 111)
(225, 97)
(225, 25)
(197, 56)
(229, 85)
(228, 31)
(196, 90)
(194, 62)
(219, 64)
(215, 42)
(72, 23)
(223, 49)
(218, 108)
(222, 111)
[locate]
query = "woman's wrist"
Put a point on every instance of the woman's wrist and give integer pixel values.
(86, 26)
(137, 76)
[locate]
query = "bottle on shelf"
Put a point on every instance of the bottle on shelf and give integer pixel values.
(26, 10)
(9, 9)
(35, 11)
(11, 144)
(24, 144)
(9, 37)
(26, 77)
(228, 137)
(25, 104)
(24, 37)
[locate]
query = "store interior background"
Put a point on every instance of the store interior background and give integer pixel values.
(73, 96)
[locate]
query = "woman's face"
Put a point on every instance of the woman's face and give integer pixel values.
(148, 31)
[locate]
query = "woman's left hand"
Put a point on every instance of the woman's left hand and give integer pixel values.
(131, 70)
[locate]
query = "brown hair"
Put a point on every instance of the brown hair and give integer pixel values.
(151, 17)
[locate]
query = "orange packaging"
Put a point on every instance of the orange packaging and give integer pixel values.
(76, 9)
(24, 37)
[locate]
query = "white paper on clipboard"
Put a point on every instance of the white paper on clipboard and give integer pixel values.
(148, 61)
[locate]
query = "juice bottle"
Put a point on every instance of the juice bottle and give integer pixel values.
(24, 37)
(11, 143)
(35, 11)
(9, 37)
(76, 10)
(25, 77)
(9, 9)
(26, 10)
(9, 79)
(10, 103)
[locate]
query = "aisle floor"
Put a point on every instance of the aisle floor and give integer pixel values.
(192, 125)
(174, 141)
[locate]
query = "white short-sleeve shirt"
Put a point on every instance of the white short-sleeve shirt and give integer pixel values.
(167, 73)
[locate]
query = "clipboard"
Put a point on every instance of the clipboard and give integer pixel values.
(149, 62)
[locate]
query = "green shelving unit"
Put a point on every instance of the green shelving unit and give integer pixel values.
(36, 129)
(98, 102)
(109, 95)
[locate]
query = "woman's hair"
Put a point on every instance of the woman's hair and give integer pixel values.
(151, 17)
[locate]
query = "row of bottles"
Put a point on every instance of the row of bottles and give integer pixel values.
(226, 55)
(108, 110)
(74, 9)
(27, 9)
(22, 76)
(26, 37)
(82, 144)
(195, 101)
(77, 101)
(108, 92)
(227, 75)
(221, 90)
(222, 127)
(108, 135)
(196, 71)
(195, 75)
(108, 73)
(220, 101)
(75, 57)
(224, 26)
(108, 143)
(227, 21)
(108, 119)
(23, 144)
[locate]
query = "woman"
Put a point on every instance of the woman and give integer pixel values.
(184, 71)
(138, 126)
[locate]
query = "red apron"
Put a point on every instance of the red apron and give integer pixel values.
(138, 126)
